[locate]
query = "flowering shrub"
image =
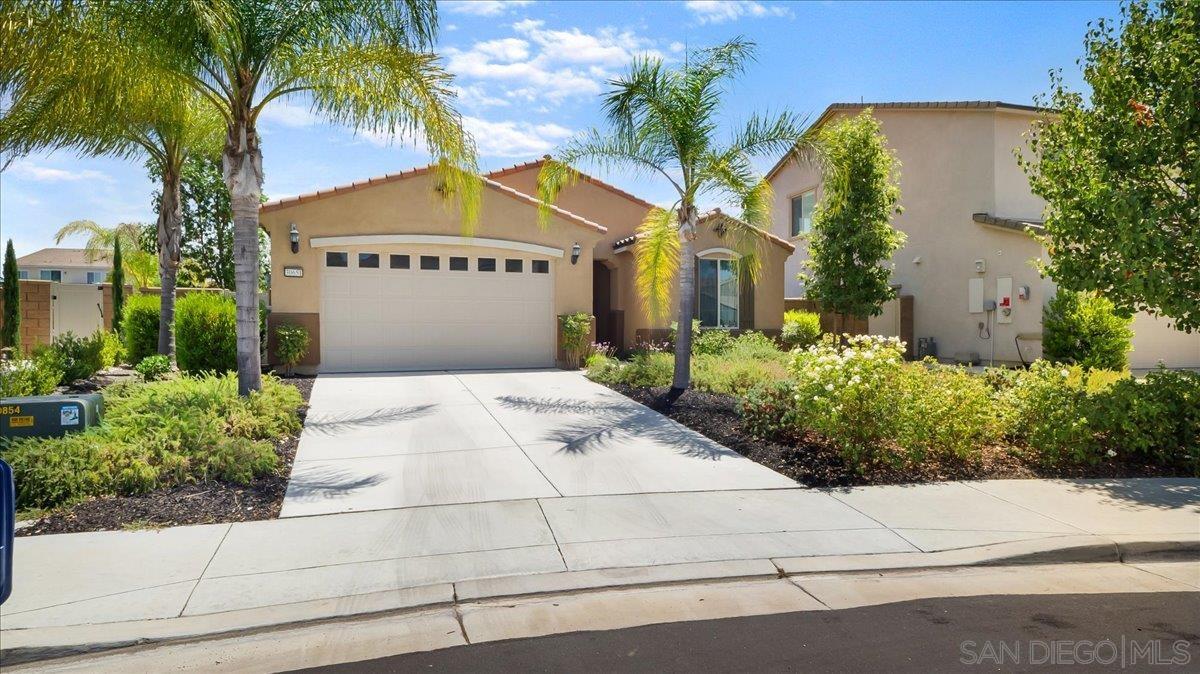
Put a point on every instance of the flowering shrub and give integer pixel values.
(35, 376)
(944, 410)
(770, 411)
(874, 406)
(1085, 416)
(850, 394)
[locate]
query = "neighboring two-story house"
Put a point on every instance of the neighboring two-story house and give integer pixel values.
(967, 212)
(64, 265)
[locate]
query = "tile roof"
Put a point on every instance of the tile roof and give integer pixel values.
(517, 168)
(1015, 224)
(422, 170)
(621, 244)
(717, 213)
(61, 257)
(907, 105)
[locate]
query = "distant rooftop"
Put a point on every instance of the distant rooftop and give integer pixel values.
(922, 105)
(62, 257)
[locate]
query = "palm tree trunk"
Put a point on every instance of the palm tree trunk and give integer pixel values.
(687, 305)
(170, 218)
(242, 168)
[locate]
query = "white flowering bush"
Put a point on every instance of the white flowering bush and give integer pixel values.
(874, 406)
(850, 394)
(30, 377)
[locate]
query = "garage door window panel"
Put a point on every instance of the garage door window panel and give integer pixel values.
(333, 259)
(458, 263)
(513, 266)
(486, 264)
(540, 266)
(398, 261)
(430, 262)
(368, 260)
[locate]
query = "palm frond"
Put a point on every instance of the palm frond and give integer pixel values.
(391, 91)
(634, 153)
(657, 259)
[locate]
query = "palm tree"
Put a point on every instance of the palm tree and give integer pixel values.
(79, 84)
(136, 262)
(365, 64)
(664, 123)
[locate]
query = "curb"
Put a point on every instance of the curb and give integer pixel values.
(46, 643)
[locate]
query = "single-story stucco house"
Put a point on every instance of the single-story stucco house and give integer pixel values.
(384, 277)
(968, 214)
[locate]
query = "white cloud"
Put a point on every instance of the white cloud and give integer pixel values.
(475, 96)
(48, 174)
(515, 139)
(282, 113)
(507, 50)
(506, 138)
(484, 7)
(543, 64)
(720, 11)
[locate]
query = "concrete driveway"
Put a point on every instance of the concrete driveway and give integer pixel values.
(378, 441)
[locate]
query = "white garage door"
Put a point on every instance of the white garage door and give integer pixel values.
(426, 310)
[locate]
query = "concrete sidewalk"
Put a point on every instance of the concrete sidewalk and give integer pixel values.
(213, 578)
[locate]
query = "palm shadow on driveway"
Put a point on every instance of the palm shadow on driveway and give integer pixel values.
(611, 422)
(335, 423)
(328, 482)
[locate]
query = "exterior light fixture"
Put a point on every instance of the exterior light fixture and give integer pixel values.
(295, 238)
(575, 251)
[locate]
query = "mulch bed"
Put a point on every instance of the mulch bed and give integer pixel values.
(814, 462)
(205, 503)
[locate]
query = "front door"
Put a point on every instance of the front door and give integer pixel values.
(602, 302)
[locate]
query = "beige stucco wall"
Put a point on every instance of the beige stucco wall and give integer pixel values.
(953, 164)
(619, 214)
(622, 216)
(768, 288)
(411, 206)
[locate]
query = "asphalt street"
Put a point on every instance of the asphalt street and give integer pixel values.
(1159, 631)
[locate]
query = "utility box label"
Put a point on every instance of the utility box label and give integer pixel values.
(69, 416)
(20, 422)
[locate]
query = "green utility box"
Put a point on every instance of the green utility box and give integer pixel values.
(49, 416)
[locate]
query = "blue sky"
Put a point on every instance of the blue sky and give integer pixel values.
(529, 75)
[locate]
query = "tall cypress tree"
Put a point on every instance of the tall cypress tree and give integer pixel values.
(10, 329)
(118, 286)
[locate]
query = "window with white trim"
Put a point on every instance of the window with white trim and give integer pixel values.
(50, 275)
(717, 291)
(94, 277)
(802, 212)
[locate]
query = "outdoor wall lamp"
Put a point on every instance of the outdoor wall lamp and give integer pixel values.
(575, 251)
(295, 237)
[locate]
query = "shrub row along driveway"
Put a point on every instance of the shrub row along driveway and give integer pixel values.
(381, 441)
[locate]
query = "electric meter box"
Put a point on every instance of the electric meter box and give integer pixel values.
(49, 416)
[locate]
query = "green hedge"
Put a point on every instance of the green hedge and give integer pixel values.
(206, 333)
(139, 326)
(1084, 329)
